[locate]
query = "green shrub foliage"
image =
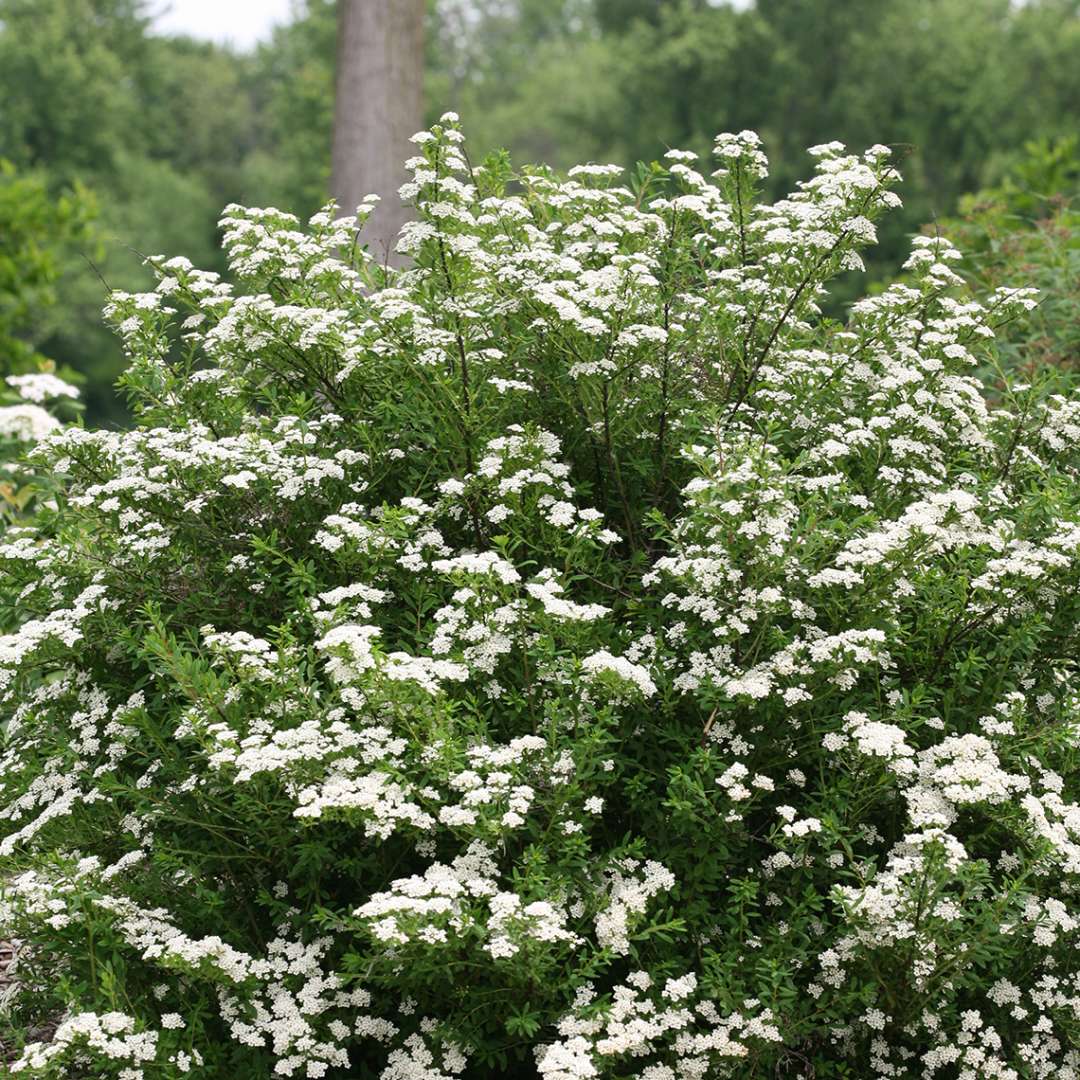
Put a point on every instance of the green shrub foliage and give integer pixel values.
(569, 656)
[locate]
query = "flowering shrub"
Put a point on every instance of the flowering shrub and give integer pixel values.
(36, 398)
(569, 656)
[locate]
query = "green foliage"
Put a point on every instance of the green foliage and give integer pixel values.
(1029, 225)
(66, 69)
(155, 128)
(953, 85)
(37, 234)
(292, 87)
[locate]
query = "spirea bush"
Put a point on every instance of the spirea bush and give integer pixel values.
(569, 656)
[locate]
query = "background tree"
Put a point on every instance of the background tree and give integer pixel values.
(157, 128)
(166, 131)
(37, 232)
(378, 105)
(292, 96)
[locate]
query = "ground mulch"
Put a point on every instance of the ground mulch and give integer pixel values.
(7, 961)
(7, 980)
(7, 958)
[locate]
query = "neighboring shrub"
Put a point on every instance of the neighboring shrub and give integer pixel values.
(29, 413)
(1028, 227)
(571, 656)
(36, 232)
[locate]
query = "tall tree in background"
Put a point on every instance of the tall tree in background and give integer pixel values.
(378, 105)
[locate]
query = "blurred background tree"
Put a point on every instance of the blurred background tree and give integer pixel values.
(1027, 228)
(378, 107)
(38, 234)
(157, 128)
(165, 130)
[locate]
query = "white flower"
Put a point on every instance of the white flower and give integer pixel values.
(27, 423)
(42, 386)
(603, 662)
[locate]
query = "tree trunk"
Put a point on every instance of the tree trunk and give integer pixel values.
(378, 105)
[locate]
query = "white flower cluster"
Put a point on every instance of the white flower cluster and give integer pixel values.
(679, 1036)
(41, 386)
(112, 1037)
(603, 663)
(448, 903)
(630, 888)
(26, 423)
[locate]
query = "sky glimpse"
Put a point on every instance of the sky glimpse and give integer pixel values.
(241, 23)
